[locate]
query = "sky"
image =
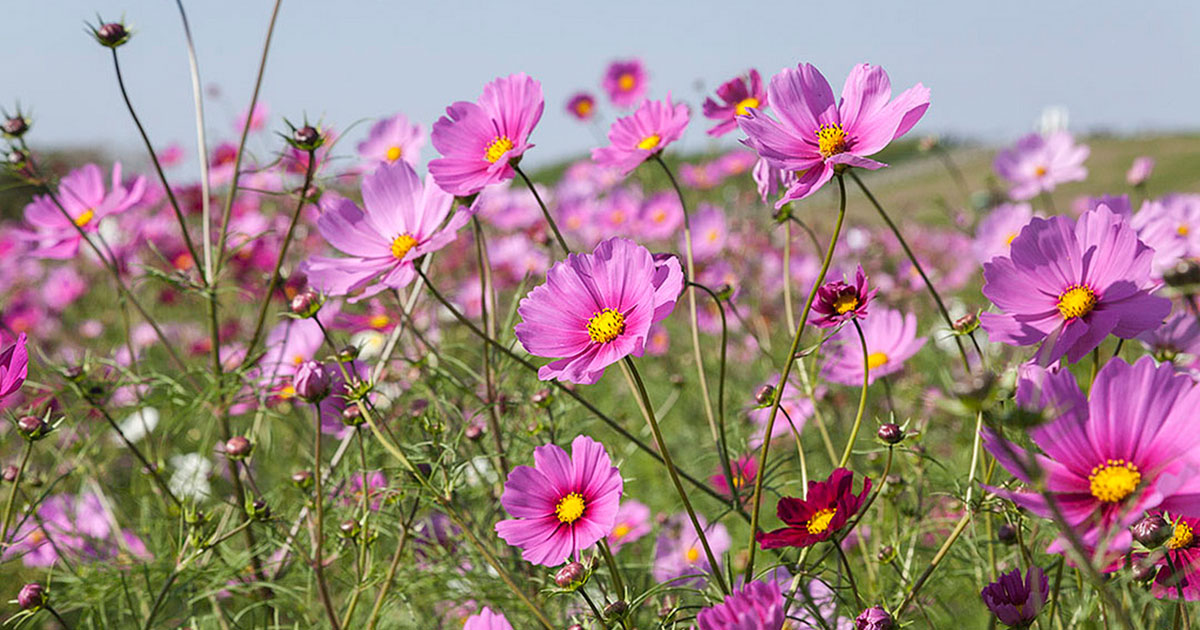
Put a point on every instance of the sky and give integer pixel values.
(992, 67)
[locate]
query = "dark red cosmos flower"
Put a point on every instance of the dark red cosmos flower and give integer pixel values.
(839, 302)
(829, 506)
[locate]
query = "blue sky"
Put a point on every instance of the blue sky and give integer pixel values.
(992, 67)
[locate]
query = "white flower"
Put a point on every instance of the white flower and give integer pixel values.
(190, 478)
(370, 343)
(138, 425)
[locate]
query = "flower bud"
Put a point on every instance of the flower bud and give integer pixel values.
(1152, 530)
(111, 35)
(875, 618)
(15, 126)
(966, 324)
(616, 610)
(352, 416)
(347, 354)
(569, 575)
(886, 554)
(307, 138)
(1006, 534)
(33, 428)
(238, 447)
(302, 479)
(312, 382)
(764, 395)
(349, 528)
(306, 303)
(10, 473)
(259, 510)
(1143, 569)
(542, 397)
(891, 433)
(33, 596)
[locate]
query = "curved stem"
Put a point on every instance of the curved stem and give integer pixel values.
(784, 372)
(862, 398)
(562, 242)
(319, 522)
(647, 409)
(722, 443)
(489, 323)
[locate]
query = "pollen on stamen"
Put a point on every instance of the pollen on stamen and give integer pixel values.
(499, 146)
(1114, 480)
(606, 326)
(394, 153)
(820, 520)
(876, 360)
(570, 508)
(831, 140)
(649, 142)
(402, 245)
(85, 217)
(1078, 300)
(746, 104)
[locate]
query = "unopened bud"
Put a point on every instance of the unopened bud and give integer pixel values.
(875, 618)
(541, 397)
(307, 138)
(33, 596)
(306, 303)
(347, 354)
(349, 528)
(112, 34)
(1006, 534)
(1152, 530)
(302, 479)
(966, 324)
(569, 575)
(1143, 569)
(891, 433)
(352, 416)
(15, 126)
(764, 395)
(312, 382)
(33, 428)
(238, 447)
(886, 554)
(616, 610)
(259, 510)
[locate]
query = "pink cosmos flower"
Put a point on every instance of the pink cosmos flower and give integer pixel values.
(743, 470)
(1127, 448)
(770, 180)
(636, 137)
(632, 523)
(738, 95)
(756, 606)
(1037, 164)
(582, 106)
(1183, 548)
(1171, 227)
(172, 155)
(487, 620)
(402, 222)
(479, 140)
(1140, 170)
(1178, 339)
(816, 135)
(562, 504)
(709, 232)
(998, 229)
(391, 139)
(1069, 285)
(84, 197)
(659, 217)
(625, 82)
(678, 551)
(891, 340)
(256, 118)
(596, 309)
(14, 367)
(838, 302)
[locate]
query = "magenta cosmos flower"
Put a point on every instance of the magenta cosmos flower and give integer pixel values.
(14, 367)
(1069, 285)
(596, 309)
(83, 195)
(1037, 164)
(1128, 448)
(816, 135)
(829, 506)
(625, 82)
(563, 503)
(487, 620)
(738, 96)
(756, 606)
(632, 523)
(634, 138)
(403, 221)
(582, 106)
(891, 340)
(838, 302)
(478, 141)
(392, 139)
(1016, 602)
(1183, 572)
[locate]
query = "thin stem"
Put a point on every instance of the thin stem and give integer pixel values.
(319, 521)
(647, 409)
(722, 443)
(390, 578)
(862, 398)
(159, 599)
(201, 146)
(784, 372)
(489, 323)
(837, 547)
(562, 242)
(787, 275)
(150, 468)
(912, 258)
(614, 569)
(12, 493)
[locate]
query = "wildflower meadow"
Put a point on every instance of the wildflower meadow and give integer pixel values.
(832, 372)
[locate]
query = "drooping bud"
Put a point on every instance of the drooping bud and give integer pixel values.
(569, 575)
(891, 433)
(33, 596)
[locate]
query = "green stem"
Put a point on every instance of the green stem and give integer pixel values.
(390, 578)
(784, 372)
(562, 242)
(12, 493)
(862, 398)
(722, 443)
(319, 522)
(787, 275)
(614, 569)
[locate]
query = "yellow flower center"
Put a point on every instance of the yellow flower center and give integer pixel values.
(1010, 238)
(820, 521)
(583, 108)
(649, 142)
(570, 508)
(394, 153)
(621, 530)
(1182, 537)
(402, 245)
(746, 104)
(288, 391)
(618, 217)
(379, 321)
(1040, 171)
(712, 235)
(497, 149)
(1077, 301)
(876, 359)
(845, 303)
(626, 82)
(659, 216)
(85, 217)
(1183, 229)
(692, 555)
(831, 140)
(606, 325)
(1114, 480)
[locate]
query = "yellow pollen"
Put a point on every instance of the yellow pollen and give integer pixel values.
(712, 236)
(1010, 239)
(649, 142)
(618, 217)
(692, 555)
(1182, 537)
(845, 303)
(606, 325)
(583, 108)
(626, 82)
(36, 536)
(570, 508)
(831, 140)
(1114, 480)
(1183, 229)
(393, 154)
(659, 216)
(379, 321)
(746, 104)
(1077, 301)
(287, 392)
(876, 359)
(820, 520)
(297, 360)
(497, 149)
(402, 245)
(1040, 171)
(85, 217)
(620, 531)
